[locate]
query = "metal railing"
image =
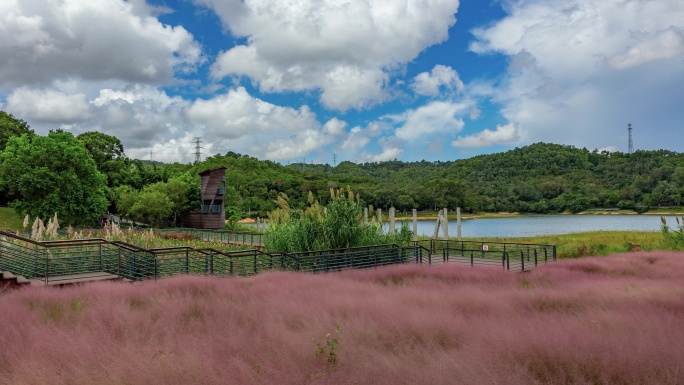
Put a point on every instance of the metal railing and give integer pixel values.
(50, 261)
(349, 258)
(507, 255)
(234, 237)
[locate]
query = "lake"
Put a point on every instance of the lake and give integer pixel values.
(534, 225)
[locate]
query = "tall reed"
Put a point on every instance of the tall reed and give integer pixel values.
(674, 237)
(337, 225)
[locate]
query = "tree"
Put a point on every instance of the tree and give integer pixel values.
(53, 173)
(177, 191)
(10, 127)
(405, 202)
(152, 205)
(108, 154)
(125, 197)
(451, 193)
(232, 216)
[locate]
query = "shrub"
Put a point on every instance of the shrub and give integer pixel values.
(338, 225)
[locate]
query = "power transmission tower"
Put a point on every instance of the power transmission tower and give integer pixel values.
(630, 144)
(198, 153)
(334, 159)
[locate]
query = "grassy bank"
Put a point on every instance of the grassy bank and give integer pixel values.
(614, 320)
(596, 242)
(10, 220)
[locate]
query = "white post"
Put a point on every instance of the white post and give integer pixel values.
(445, 225)
(391, 221)
(365, 215)
(415, 225)
(458, 223)
(380, 217)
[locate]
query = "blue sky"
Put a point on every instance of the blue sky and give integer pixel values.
(366, 80)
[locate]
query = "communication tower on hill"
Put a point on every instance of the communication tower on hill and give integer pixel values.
(630, 144)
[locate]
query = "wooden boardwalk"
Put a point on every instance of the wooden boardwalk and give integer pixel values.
(71, 279)
(514, 265)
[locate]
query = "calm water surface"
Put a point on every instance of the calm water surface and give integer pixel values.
(534, 225)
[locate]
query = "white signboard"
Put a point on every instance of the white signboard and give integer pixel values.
(485, 247)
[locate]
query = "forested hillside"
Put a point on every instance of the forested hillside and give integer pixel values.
(540, 178)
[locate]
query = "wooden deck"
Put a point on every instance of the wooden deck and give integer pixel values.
(514, 265)
(72, 279)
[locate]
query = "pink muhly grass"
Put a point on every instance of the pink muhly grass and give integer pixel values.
(609, 320)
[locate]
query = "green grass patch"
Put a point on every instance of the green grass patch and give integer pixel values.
(9, 219)
(596, 243)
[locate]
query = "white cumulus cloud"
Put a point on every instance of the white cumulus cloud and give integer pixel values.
(579, 70)
(237, 114)
(49, 105)
(441, 77)
(41, 41)
(505, 134)
(346, 50)
(432, 118)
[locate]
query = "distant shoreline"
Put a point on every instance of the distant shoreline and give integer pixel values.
(452, 215)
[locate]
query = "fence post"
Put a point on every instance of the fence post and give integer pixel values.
(503, 259)
(211, 263)
(255, 263)
(155, 267)
(391, 220)
(47, 266)
(535, 257)
(99, 253)
(187, 262)
(508, 262)
(522, 260)
(119, 261)
(458, 223)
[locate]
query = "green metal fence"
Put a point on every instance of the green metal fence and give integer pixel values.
(57, 260)
(507, 255)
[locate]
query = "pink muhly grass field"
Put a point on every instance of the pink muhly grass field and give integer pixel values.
(609, 320)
